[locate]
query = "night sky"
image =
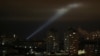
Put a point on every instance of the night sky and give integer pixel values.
(24, 16)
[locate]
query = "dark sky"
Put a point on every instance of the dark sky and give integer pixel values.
(22, 17)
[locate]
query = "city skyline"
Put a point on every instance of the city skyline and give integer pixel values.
(24, 29)
(50, 28)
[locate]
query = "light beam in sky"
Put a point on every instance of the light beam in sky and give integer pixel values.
(60, 12)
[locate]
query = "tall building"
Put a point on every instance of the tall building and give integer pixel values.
(52, 44)
(71, 42)
(66, 43)
(91, 42)
(6, 43)
(92, 45)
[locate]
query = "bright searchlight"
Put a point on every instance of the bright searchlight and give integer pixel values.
(60, 12)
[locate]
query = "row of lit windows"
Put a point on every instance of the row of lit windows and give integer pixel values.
(25, 46)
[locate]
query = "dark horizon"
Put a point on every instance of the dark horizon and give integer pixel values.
(24, 29)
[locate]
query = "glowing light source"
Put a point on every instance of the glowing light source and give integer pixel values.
(65, 39)
(30, 46)
(31, 51)
(80, 52)
(4, 51)
(74, 33)
(60, 12)
(70, 35)
(14, 35)
(51, 36)
(25, 46)
(3, 43)
(35, 47)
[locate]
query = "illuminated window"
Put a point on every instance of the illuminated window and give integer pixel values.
(74, 33)
(70, 35)
(87, 38)
(51, 36)
(65, 39)
(25, 46)
(30, 46)
(35, 47)
(80, 52)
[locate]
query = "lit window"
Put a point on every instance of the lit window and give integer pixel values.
(70, 35)
(65, 39)
(74, 33)
(35, 47)
(87, 38)
(80, 52)
(25, 46)
(3, 43)
(30, 46)
(14, 35)
(96, 50)
(96, 35)
(51, 36)
(4, 51)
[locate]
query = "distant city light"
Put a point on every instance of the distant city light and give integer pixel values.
(35, 47)
(30, 46)
(25, 46)
(96, 50)
(87, 38)
(14, 35)
(31, 51)
(70, 35)
(51, 36)
(3, 43)
(65, 39)
(74, 33)
(4, 51)
(80, 52)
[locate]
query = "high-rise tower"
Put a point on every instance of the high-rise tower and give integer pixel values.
(71, 42)
(52, 44)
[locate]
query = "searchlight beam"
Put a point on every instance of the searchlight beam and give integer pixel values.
(57, 15)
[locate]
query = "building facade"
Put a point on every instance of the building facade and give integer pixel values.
(52, 44)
